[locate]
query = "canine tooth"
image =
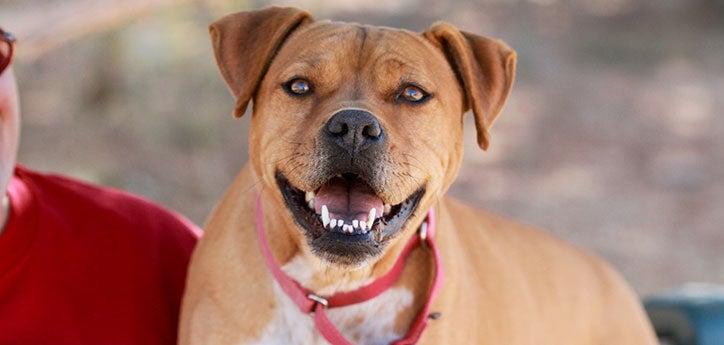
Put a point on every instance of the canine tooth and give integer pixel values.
(363, 225)
(309, 196)
(355, 223)
(325, 215)
(387, 209)
(373, 213)
(310, 203)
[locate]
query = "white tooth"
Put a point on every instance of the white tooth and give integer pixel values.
(346, 228)
(355, 223)
(373, 213)
(309, 196)
(325, 215)
(332, 223)
(363, 225)
(387, 209)
(340, 223)
(349, 228)
(310, 203)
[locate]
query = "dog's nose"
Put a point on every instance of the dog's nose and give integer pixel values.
(354, 130)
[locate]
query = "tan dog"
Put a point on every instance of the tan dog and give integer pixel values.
(348, 118)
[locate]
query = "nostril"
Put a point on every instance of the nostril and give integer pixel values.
(337, 127)
(372, 130)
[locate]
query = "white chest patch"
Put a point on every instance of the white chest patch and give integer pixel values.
(371, 322)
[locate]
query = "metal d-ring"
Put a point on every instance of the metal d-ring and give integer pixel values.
(423, 231)
(318, 299)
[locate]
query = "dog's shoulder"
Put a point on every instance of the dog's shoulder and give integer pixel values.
(538, 253)
(556, 277)
(477, 226)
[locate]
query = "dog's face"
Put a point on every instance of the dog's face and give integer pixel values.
(357, 129)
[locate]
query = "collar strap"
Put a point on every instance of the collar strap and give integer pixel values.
(311, 303)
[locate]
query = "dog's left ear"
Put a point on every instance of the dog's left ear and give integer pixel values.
(485, 68)
(245, 44)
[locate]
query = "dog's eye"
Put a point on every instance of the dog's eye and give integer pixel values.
(413, 94)
(298, 87)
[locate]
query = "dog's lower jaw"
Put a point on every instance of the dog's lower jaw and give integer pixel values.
(327, 278)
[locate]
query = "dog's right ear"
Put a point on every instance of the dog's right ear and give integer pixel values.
(245, 44)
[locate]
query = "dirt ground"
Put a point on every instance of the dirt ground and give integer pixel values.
(613, 137)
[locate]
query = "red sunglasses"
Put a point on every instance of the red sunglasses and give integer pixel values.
(7, 47)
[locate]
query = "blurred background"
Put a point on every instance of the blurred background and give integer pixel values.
(613, 137)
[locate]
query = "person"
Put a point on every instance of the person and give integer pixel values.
(82, 264)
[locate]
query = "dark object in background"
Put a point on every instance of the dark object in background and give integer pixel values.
(691, 315)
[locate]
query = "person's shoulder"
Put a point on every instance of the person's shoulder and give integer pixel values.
(82, 201)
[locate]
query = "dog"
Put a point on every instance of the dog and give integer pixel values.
(338, 230)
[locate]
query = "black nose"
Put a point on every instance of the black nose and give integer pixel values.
(354, 130)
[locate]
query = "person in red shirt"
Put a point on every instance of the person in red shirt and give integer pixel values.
(81, 264)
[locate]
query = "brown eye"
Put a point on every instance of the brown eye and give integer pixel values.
(298, 87)
(413, 94)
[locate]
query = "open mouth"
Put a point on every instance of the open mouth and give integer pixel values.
(344, 219)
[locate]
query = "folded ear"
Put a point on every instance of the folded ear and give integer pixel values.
(245, 44)
(485, 68)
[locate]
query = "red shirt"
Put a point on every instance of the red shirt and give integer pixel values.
(81, 264)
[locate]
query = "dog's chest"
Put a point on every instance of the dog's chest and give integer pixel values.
(371, 322)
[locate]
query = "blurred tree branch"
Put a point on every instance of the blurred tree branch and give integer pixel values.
(41, 27)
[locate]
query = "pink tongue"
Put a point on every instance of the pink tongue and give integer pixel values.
(347, 200)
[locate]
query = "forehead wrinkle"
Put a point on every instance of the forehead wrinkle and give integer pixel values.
(319, 58)
(309, 64)
(318, 40)
(402, 69)
(356, 84)
(324, 31)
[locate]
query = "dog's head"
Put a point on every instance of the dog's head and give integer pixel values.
(357, 129)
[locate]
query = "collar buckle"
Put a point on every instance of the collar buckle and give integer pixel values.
(423, 232)
(319, 300)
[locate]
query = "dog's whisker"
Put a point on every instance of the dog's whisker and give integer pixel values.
(288, 157)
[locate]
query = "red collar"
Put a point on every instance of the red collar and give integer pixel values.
(311, 303)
